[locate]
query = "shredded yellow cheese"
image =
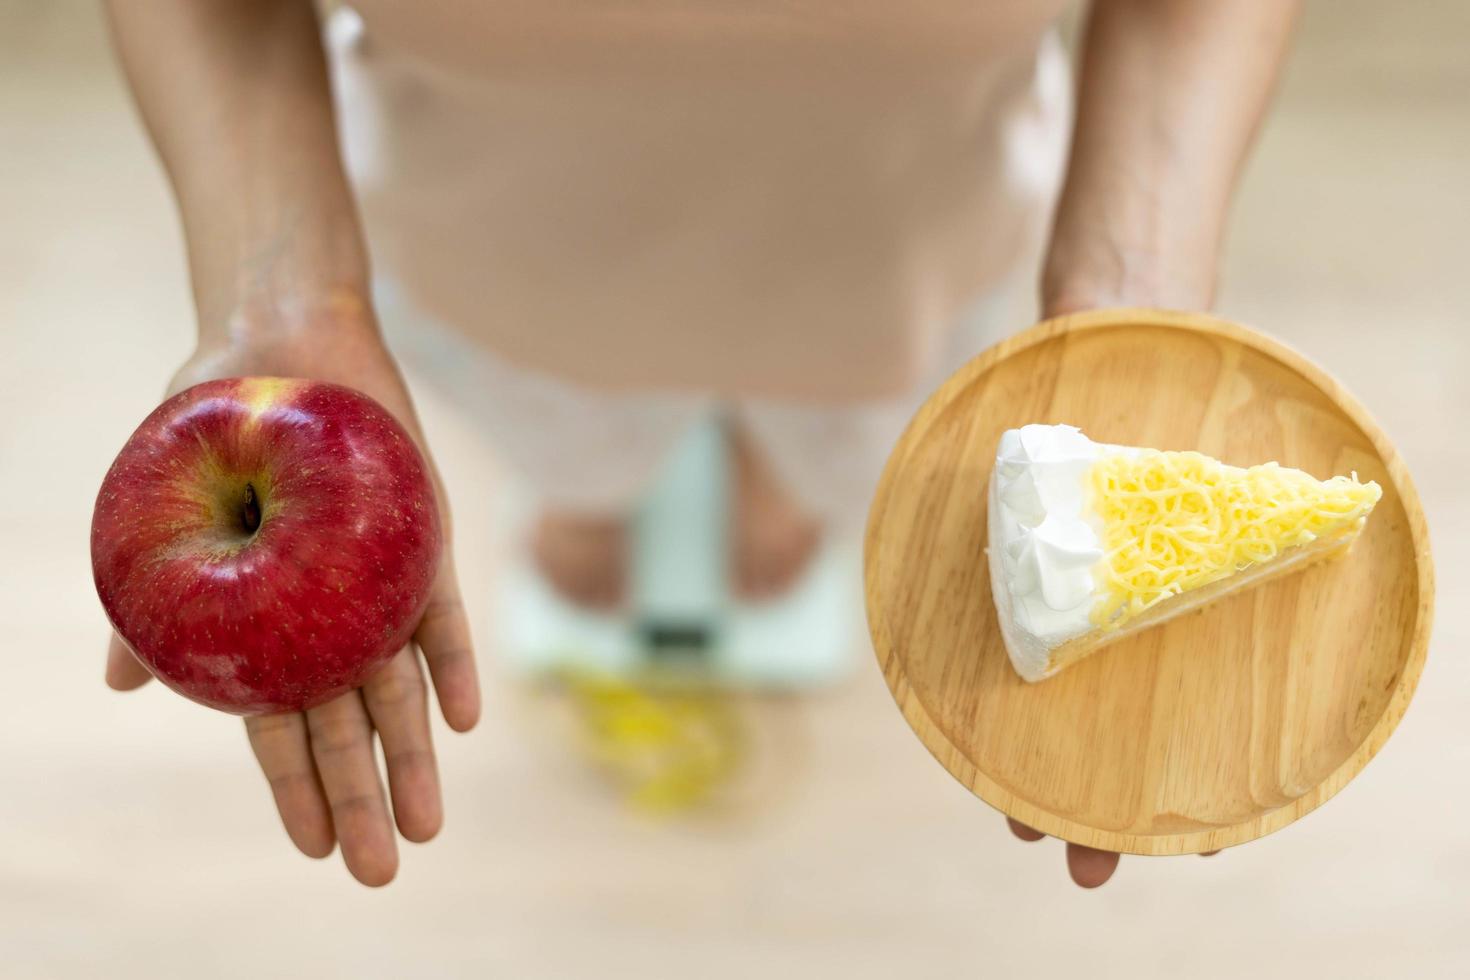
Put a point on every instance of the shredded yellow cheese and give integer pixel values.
(1173, 522)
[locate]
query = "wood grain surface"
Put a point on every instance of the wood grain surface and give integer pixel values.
(1208, 731)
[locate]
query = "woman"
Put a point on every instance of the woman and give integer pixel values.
(803, 211)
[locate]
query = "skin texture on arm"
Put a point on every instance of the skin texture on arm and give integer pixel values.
(236, 99)
(1170, 95)
(235, 96)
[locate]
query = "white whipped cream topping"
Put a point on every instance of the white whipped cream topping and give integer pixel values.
(1045, 543)
(1054, 559)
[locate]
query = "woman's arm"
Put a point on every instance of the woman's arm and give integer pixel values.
(1171, 94)
(236, 97)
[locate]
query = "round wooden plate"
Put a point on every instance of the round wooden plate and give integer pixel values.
(1208, 731)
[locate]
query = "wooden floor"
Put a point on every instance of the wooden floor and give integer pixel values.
(138, 841)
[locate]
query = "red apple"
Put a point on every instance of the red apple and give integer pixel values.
(263, 544)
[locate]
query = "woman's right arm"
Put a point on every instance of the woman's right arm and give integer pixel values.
(236, 97)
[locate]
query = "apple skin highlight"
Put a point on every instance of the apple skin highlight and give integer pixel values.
(264, 544)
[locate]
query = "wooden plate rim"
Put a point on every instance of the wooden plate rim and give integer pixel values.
(1191, 842)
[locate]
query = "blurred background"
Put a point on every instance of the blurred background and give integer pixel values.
(137, 838)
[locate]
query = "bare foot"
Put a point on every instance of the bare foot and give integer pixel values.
(584, 558)
(773, 539)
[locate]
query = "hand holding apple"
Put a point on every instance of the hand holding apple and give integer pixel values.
(320, 763)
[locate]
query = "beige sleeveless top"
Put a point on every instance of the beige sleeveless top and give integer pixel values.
(791, 198)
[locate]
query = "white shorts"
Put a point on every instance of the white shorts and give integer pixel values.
(595, 452)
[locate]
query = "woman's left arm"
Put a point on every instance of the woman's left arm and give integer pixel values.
(1170, 95)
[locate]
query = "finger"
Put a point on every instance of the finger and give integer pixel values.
(284, 753)
(1089, 866)
(342, 745)
(1024, 832)
(124, 671)
(444, 637)
(398, 702)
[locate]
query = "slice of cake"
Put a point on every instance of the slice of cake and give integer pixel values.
(1091, 542)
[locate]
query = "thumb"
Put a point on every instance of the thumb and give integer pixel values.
(124, 672)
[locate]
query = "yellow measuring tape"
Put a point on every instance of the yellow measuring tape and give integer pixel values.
(667, 745)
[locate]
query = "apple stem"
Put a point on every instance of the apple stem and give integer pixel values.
(250, 512)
